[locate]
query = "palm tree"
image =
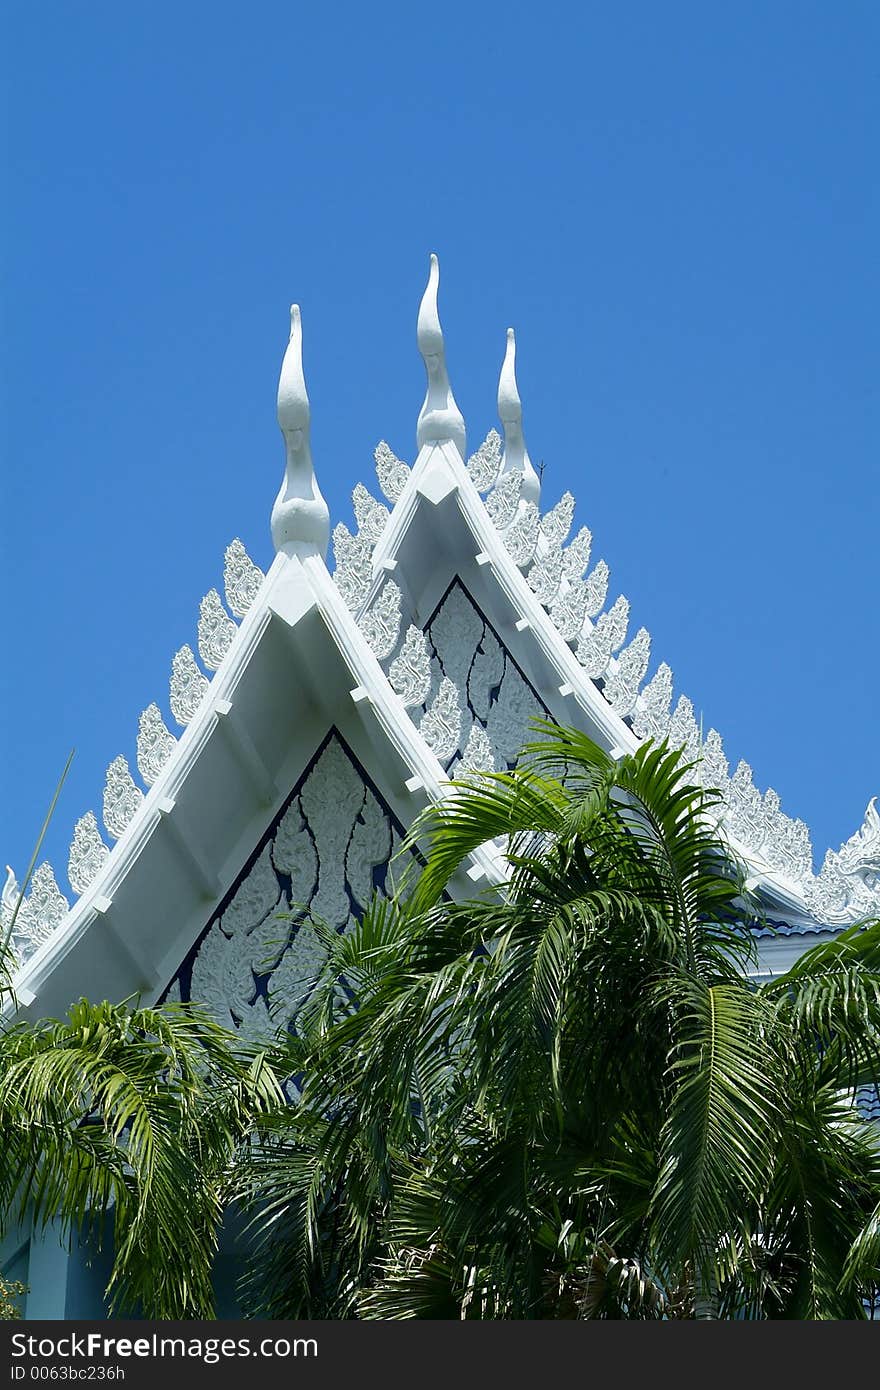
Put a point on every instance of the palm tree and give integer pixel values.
(117, 1123)
(570, 1098)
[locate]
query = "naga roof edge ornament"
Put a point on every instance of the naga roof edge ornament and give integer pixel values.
(300, 516)
(439, 418)
(516, 456)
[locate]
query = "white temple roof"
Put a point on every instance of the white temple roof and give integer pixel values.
(456, 581)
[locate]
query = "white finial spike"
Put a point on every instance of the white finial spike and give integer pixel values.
(440, 418)
(300, 517)
(516, 455)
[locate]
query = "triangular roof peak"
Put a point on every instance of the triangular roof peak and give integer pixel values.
(474, 519)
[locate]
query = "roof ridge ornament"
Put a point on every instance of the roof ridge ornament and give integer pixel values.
(439, 418)
(300, 517)
(516, 455)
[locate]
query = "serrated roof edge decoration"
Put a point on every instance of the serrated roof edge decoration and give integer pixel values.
(543, 575)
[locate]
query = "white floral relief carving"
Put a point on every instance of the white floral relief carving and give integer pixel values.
(455, 633)
(483, 466)
(477, 755)
(595, 649)
(331, 799)
(510, 716)
(502, 503)
(370, 515)
(410, 672)
(745, 808)
(216, 631)
(521, 538)
(714, 770)
(353, 575)
(440, 725)
(596, 585)
(87, 853)
(651, 715)
(258, 962)
(391, 471)
(368, 848)
(569, 609)
(41, 912)
(576, 556)
(545, 576)
(294, 853)
(486, 673)
(848, 886)
(380, 624)
(188, 685)
(556, 525)
(683, 730)
(621, 688)
(255, 898)
(122, 797)
(155, 744)
(241, 578)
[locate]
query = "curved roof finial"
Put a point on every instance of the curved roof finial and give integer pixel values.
(300, 517)
(516, 455)
(440, 418)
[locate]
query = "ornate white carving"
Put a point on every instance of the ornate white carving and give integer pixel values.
(294, 854)
(510, 716)
(255, 897)
(683, 731)
(621, 688)
(122, 797)
(651, 715)
(848, 887)
(456, 632)
(745, 808)
(569, 609)
(545, 576)
(391, 471)
(380, 624)
(486, 673)
(410, 672)
(576, 556)
(556, 525)
(354, 567)
(87, 853)
(714, 769)
(241, 578)
(155, 744)
(216, 630)
(188, 685)
(477, 755)
(596, 587)
(369, 846)
(371, 516)
(484, 466)
(521, 537)
(594, 651)
(331, 799)
(41, 912)
(502, 503)
(223, 975)
(440, 725)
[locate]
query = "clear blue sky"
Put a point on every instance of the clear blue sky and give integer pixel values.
(675, 205)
